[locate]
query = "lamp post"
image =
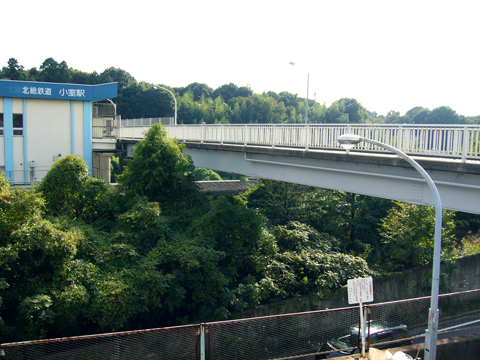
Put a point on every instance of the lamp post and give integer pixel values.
(348, 141)
(308, 86)
(174, 99)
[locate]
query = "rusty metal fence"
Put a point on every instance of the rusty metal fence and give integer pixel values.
(292, 336)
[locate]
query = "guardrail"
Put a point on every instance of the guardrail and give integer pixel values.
(146, 122)
(452, 141)
(287, 336)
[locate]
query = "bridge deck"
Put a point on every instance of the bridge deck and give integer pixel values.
(427, 162)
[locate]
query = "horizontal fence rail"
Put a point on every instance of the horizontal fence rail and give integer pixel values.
(288, 336)
(451, 141)
(146, 122)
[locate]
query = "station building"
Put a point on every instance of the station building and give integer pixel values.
(41, 122)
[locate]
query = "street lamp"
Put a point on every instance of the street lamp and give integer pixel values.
(174, 99)
(348, 142)
(308, 86)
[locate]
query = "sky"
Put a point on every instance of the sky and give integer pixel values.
(387, 54)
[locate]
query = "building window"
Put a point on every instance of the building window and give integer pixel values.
(17, 124)
(1, 124)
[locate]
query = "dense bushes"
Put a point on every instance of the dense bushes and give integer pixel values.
(77, 258)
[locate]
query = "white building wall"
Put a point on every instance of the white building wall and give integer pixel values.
(78, 128)
(2, 152)
(17, 106)
(57, 121)
(18, 165)
(18, 151)
(48, 133)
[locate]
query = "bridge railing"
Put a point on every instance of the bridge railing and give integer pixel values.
(453, 141)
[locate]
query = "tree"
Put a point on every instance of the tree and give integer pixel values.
(159, 170)
(120, 76)
(417, 115)
(69, 190)
(408, 233)
(198, 91)
(31, 251)
(243, 91)
(140, 100)
(394, 117)
(296, 236)
(17, 206)
(444, 115)
(335, 115)
(13, 71)
(227, 91)
(317, 113)
(354, 110)
(206, 175)
(52, 71)
(231, 228)
(62, 186)
(351, 220)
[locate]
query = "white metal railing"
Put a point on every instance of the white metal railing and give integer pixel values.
(452, 141)
(146, 122)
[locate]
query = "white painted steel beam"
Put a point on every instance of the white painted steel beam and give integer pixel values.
(459, 190)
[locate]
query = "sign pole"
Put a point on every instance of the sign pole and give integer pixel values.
(360, 291)
(362, 327)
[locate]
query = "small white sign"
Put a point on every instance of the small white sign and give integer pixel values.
(360, 290)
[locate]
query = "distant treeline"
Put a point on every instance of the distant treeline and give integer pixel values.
(198, 103)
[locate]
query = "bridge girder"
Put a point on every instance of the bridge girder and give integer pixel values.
(384, 176)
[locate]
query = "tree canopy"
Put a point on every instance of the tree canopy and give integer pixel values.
(229, 103)
(78, 258)
(159, 170)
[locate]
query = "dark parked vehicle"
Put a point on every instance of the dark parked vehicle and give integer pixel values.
(383, 335)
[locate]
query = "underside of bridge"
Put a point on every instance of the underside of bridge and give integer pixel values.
(384, 176)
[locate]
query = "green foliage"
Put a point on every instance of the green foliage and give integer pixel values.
(62, 186)
(30, 259)
(296, 236)
(141, 100)
(115, 169)
(159, 170)
(142, 227)
(443, 115)
(198, 103)
(469, 245)
(17, 207)
(120, 76)
(69, 190)
(232, 229)
(350, 220)
(310, 272)
(201, 174)
(36, 314)
(13, 71)
(52, 71)
(164, 255)
(197, 90)
(408, 232)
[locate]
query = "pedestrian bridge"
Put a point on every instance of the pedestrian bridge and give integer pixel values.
(311, 155)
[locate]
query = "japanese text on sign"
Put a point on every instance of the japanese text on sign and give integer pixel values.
(34, 90)
(72, 92)
(360, 290)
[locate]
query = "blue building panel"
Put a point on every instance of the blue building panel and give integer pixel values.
(56, 91)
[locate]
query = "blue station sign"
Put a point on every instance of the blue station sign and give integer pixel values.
(57, 91)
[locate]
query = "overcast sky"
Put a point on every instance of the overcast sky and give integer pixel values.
(387, 54)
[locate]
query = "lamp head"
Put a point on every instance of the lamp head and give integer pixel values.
(348, 141)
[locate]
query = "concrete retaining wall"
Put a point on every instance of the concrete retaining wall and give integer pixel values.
(462, 275)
